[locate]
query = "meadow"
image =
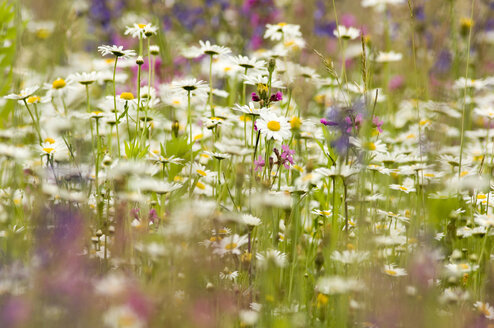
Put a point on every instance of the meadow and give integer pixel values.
(246, 163)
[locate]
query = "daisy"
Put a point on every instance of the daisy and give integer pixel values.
(393, 271)
(346, 33)
(24, 94)
(261, 79)
(250, 220)
(211, 49)
(141, 31)
(279, 259)
(273, 126)
(230, 245)
(117, 51)
(84, 78)
(485, 309)
(386, 57)
(248, 109)
(229, 275)
(349, 257)
(372, 147)
(337, 285)
(406, 187)
(248, 63)
(282, 30)
(484, 220)
(191, 85)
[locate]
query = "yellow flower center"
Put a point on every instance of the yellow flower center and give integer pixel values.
(403, 188)
(391, 272)
(201, 172)
(58, 83)
(50, 140)
(126, 96)
(464, 266)
(274, 125)
(230, 246)
(33, 99)
(370, 146)
(429, 175)
(141, 25)
(197, 137)
(48, 150)
(295, 123)
(200, 185)
(481, 196)
(462, 174)
(176, 102)
(281, 24)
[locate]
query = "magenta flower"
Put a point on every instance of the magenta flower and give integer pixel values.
(260, 162)
(276, 96)
(255, 97)
(378, 123)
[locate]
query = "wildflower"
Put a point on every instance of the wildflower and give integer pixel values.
(84, 78)
(141, 31)
(484, 220)
(394, 271)
(191, 85)
(278, 96)
(249, 63)
(259, 163)
(278, 258)
(337, 285)
(378, 123)
(248, 109)
(230, 245)
(273, 126)
(486, 309)
(211, 49)
(117, 51)
(346, 33)
(250, 220)
(282, 30)
(386, 57)
(349, 257)
(126, 96)
(24, 94)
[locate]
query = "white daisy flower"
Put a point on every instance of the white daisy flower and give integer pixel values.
(230, 245)
(141, 31)
(386, 57)
(346, 33)
(117, 51)
(24, 94)
(393, 271)
(486, 309)
(282, 30)
(212, 49)
(273, 126)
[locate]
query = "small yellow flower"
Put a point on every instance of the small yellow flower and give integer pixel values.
(126, 96)
(295, 123)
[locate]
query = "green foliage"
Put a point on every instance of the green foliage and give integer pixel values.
(8, 36)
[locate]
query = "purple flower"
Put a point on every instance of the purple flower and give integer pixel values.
(378, 123)
(255, 97)
(260, 162)
(277, 96)
(328, 122)
(286, 156)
